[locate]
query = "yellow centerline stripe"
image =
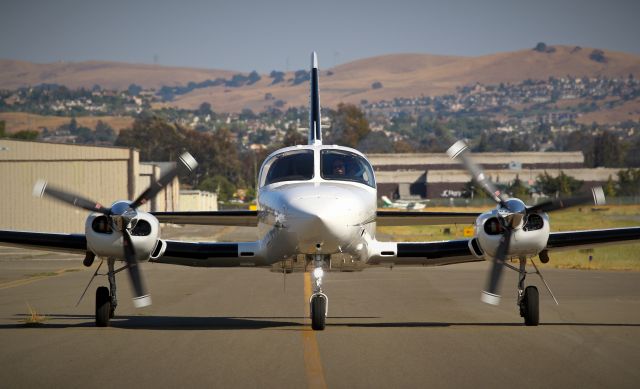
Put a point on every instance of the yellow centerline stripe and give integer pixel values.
(25, 281)
(312, 362)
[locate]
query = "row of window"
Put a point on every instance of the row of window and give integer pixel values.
(297, 165)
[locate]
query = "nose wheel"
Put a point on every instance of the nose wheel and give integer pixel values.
(318, 310)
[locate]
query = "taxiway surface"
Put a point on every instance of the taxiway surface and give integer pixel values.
(406, 327)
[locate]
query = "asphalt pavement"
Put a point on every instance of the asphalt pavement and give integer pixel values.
(406, 327)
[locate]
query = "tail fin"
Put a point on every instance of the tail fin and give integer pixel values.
(315, 127)
(386, 200)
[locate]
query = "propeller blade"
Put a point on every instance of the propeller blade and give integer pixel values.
(42, 188)
(185, 162)
(140, 296)
(596, 197)
(460, 150)
(490, 295)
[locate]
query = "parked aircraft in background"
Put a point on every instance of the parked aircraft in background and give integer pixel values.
(316, 200)
(403, 204)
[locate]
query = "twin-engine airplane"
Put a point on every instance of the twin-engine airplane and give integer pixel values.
(316, 200)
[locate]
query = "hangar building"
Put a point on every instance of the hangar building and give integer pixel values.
(435, 175)
(104, 174)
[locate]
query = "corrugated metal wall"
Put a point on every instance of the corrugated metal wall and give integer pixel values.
(103, 174)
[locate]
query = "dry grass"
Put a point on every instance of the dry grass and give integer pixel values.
(18, 121)
(33, 318)
(611, 257)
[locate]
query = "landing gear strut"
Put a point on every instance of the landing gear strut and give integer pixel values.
(106, 301)
(528, 298)
(319, 302)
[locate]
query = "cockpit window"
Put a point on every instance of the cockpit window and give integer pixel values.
(345, 166)
(290, 166)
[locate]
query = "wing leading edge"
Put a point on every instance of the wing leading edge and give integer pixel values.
(457, 251)
(240, 218)
(244, 218)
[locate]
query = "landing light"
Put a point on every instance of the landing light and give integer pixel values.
(318, 272)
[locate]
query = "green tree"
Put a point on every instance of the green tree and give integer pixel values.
(607, 150)
(472, 190)
(629, 182)
(518, 189)
(104, 133)
(134, 90)
(562, 184)
(609, 188)
(26, 135)
(205, 109)
(376, 142)
(218, 184)
(292, 137)
(2, 128)
(349, 125)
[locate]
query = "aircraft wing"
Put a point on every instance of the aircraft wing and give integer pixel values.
(422, 253)
(241, 218)
(590, 238)
(457, 251)
(212, 254)
(69, 243)
(207, 254)
(407, 218)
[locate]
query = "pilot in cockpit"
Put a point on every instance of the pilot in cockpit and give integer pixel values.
(338, 167)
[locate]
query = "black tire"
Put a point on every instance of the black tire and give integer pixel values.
(103, 306)
(318, 310)
(531, 306)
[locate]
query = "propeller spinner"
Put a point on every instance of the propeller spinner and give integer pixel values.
(123, 217)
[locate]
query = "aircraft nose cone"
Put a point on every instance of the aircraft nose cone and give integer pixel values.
(323, 224)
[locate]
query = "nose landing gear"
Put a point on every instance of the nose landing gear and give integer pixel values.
(319, 302)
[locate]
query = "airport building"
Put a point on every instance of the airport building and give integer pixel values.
(104, 174)
(198, 200)
(432, 176)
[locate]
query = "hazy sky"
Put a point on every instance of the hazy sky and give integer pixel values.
(279, 34)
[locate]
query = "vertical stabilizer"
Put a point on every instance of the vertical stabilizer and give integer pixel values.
(315, 127)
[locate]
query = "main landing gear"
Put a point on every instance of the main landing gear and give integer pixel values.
(106, 301)
(528, 297)
(319, 302)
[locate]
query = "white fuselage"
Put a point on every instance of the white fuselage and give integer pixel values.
(318, 215)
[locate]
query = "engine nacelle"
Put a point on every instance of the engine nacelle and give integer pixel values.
(475, 248)
(106, 242)
(526, 241)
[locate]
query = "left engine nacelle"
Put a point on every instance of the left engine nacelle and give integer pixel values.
(104, 241)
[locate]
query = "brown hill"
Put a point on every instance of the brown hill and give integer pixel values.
(401, 75)
(18, 121)
(111, 75)
(412, 75)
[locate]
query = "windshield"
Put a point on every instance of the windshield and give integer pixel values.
(290, 166)
(345, 166)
